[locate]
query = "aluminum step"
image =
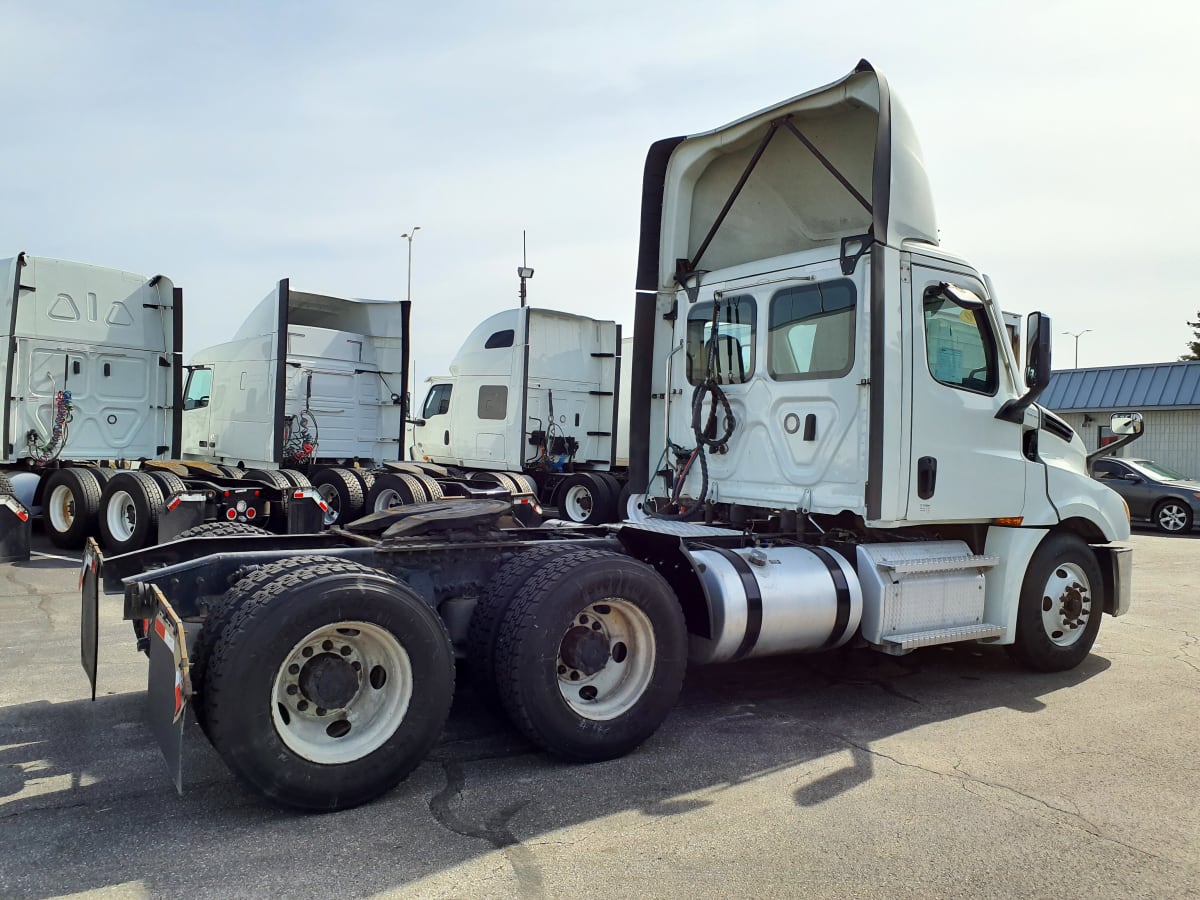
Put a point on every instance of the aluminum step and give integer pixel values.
(938, 564)
(943, 636)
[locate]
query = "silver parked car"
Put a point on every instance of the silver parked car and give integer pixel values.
(1154, 493)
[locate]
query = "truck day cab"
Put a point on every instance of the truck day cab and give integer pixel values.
(834, 442)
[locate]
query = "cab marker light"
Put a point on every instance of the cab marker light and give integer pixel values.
(1010, 521)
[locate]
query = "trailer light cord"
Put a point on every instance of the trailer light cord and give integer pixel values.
(300, 437)
(704, 433)
(47, 452)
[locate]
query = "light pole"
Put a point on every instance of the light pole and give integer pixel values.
(409, 236)
(1077, 335)
(523, 270)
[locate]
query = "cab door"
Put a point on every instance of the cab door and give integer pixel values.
(196, 420)
(965, 464)
(431, 437)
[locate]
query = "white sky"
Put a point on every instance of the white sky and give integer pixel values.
(230, 145)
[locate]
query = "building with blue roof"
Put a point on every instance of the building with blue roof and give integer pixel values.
(1167, 394)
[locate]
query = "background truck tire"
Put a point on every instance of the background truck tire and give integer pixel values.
(1061, 603)
(285, 649)
(392, 489)
(6, 486)
(490, 610)
(130, 506)
(585, 498)
(221, 529)
(168, 482)
(342, 491)
(70, 504)
(590, 655)
(277, 519)
(297, 479)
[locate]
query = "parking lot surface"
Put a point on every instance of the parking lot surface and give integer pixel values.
(948, 772)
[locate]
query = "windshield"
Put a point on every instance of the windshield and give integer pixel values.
(1154, 470)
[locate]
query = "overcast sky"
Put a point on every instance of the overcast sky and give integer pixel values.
(230, 145)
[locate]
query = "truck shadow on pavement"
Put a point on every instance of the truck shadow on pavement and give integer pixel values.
(87, 804)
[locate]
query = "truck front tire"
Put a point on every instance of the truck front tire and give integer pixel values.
(591, 654)
(328, 685)
(1061, 603)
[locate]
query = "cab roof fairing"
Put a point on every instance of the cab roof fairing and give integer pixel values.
(790, 201)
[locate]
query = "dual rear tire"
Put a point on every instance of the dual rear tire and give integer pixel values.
(327, 684)
(586, 650)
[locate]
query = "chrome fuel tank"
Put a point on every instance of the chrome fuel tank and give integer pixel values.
(779, 600)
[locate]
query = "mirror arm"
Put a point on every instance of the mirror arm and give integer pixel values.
(1014, 410)
(1109, 448)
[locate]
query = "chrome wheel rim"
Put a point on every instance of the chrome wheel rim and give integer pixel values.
(1066, 604)
(606, 659)
(363, 676)
(1172, 517)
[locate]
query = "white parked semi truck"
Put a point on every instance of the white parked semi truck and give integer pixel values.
(534, 402)
(834, 442)
(101, 433)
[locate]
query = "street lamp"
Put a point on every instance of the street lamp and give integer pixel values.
(1077, 335)
(409, 236)
(524, 273)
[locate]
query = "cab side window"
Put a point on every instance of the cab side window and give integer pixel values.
(199, 387)
(728, 353)
(812, 331)
(437, 402)
(959, 347)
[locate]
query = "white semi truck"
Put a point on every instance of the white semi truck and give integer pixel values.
(539, 400)
(534, 401)
(101, 432)
(834, 442)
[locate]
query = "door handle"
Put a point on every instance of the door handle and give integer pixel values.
(926, 477)
(446, 439)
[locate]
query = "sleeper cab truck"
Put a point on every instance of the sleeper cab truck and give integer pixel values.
(92, 414)
(310, 391)
(833, 444)
(535, 401)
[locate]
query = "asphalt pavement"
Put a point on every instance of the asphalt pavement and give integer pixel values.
(945, 773)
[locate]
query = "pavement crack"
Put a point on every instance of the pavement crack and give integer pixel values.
(966, 779)
(495, 829)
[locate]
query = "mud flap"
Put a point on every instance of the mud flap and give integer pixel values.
(89, 610)
(306, 512)
(15, 525)
(182, 511)
(169, 686)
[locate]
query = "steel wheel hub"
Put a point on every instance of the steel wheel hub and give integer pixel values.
(1066, 604)
(332, 500)
(62, 508)
(606, 659)
(342, 692)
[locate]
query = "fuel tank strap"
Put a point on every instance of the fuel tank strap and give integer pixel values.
(754, 604)
(842, 587)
